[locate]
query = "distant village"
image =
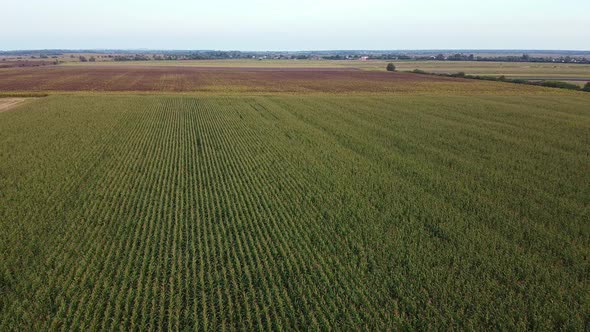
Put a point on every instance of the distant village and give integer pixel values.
(354, 57)
(582, 57)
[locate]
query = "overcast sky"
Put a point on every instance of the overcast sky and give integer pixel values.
(296, 25)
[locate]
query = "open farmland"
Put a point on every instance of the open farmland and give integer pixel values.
(294, 75)
(158, 79)
(510, 69)
(575, 73)
(295, 212)
(187, 79)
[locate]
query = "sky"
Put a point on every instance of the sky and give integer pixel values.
(280, 25)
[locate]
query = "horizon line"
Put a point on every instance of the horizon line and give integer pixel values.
(300, 50)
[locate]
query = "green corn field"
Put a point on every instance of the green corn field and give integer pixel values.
(295, 212)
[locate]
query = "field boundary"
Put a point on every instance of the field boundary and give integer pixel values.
(535, 82)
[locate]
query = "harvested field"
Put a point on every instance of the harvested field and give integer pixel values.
(515, 70)
(186, 79)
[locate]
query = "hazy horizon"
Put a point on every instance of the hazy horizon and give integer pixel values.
(306, 25)
(425, 50)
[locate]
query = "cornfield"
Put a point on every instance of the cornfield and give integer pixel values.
(295, 213)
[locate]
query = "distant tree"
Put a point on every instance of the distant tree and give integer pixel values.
(440, 57)
(83, 59)
(390, 67)
(456, 57)
(587, 87)
(92, 59)
(559, 84)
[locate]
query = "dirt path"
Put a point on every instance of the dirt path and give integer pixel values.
(9, 103)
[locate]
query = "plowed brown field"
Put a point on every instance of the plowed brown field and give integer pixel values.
(152, 78)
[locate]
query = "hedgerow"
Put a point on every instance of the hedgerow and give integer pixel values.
(549, 84)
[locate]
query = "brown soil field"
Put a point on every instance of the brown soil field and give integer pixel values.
(24, 63)
(9, 103)
(180, 79)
